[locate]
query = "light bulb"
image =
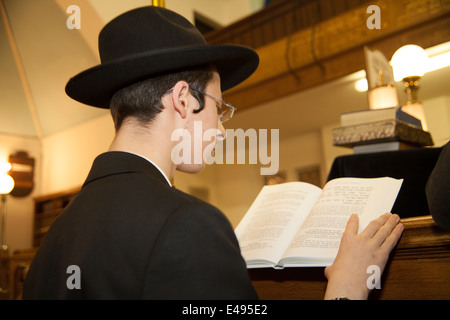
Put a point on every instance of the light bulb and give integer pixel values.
(6, 183)
(5, 167)
(409, 61)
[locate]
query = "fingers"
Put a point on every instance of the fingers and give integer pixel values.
(352, 224)
(393, 238)
(385, 230)
(375, 225)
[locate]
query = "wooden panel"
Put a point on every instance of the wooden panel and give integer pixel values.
(4, 274)
(334, 48)
(15, 268)
(279, 20)
(419, 268)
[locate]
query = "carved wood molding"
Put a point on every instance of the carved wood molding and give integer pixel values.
(422, 239)
(334, 48)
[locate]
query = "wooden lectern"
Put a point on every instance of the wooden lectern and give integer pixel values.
(419, 268)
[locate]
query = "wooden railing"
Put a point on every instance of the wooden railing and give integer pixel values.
(279, 20)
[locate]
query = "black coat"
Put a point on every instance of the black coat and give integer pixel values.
(438, 189)
(135, 237)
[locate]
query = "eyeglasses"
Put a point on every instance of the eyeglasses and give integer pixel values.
(224, 114)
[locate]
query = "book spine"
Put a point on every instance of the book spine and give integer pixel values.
(408, 118)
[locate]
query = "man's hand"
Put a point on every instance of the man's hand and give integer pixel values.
(347, 276)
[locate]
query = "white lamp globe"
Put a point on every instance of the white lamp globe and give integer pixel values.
(409, 61)
(6, 183)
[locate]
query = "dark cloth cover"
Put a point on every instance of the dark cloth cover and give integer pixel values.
(413, 165)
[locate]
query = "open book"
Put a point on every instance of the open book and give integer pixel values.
(296, 224)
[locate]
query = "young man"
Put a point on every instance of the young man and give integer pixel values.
(128, 233)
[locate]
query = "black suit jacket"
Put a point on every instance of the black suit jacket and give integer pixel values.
(135, 237)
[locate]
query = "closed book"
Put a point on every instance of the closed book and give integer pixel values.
(366, 116)
(381, 147)
(381, 131)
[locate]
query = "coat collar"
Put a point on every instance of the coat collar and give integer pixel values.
(116, 162)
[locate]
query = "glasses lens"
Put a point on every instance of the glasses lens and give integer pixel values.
(226, 114)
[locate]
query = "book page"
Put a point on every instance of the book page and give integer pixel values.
(273, 219)
(320, 235)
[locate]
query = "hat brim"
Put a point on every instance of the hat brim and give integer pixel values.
(97, 85)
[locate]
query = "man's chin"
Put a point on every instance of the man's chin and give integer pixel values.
(191, 168)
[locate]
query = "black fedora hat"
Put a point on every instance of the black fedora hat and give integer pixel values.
(151, 41)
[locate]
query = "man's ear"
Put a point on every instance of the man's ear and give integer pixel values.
(180, 98)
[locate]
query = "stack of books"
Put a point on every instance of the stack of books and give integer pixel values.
(380, 130)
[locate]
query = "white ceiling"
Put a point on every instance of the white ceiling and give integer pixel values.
(50, 54)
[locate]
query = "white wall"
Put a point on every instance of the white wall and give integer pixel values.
(68, 155)
(437, 114)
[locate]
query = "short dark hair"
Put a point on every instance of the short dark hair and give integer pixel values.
(142, 100)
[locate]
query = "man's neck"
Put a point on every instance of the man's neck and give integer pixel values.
(154, 145)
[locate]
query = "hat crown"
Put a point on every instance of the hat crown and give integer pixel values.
(133, 33)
